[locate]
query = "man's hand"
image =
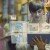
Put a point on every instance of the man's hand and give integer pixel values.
(39, 42)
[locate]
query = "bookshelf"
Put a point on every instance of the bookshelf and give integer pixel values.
(47, 5)
(47, 8)
(1, 11)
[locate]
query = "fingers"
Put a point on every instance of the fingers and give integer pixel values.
(31, 43)
(46, 41)
(34, 40)
(41, 39)
(37, 39)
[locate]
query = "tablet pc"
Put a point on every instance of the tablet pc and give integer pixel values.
(43, 36)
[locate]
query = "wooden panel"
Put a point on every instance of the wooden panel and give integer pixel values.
(0, 5)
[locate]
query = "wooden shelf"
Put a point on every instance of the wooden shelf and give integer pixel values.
(47, 4)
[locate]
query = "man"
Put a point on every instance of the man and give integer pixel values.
(41, 15)
(33, 8)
